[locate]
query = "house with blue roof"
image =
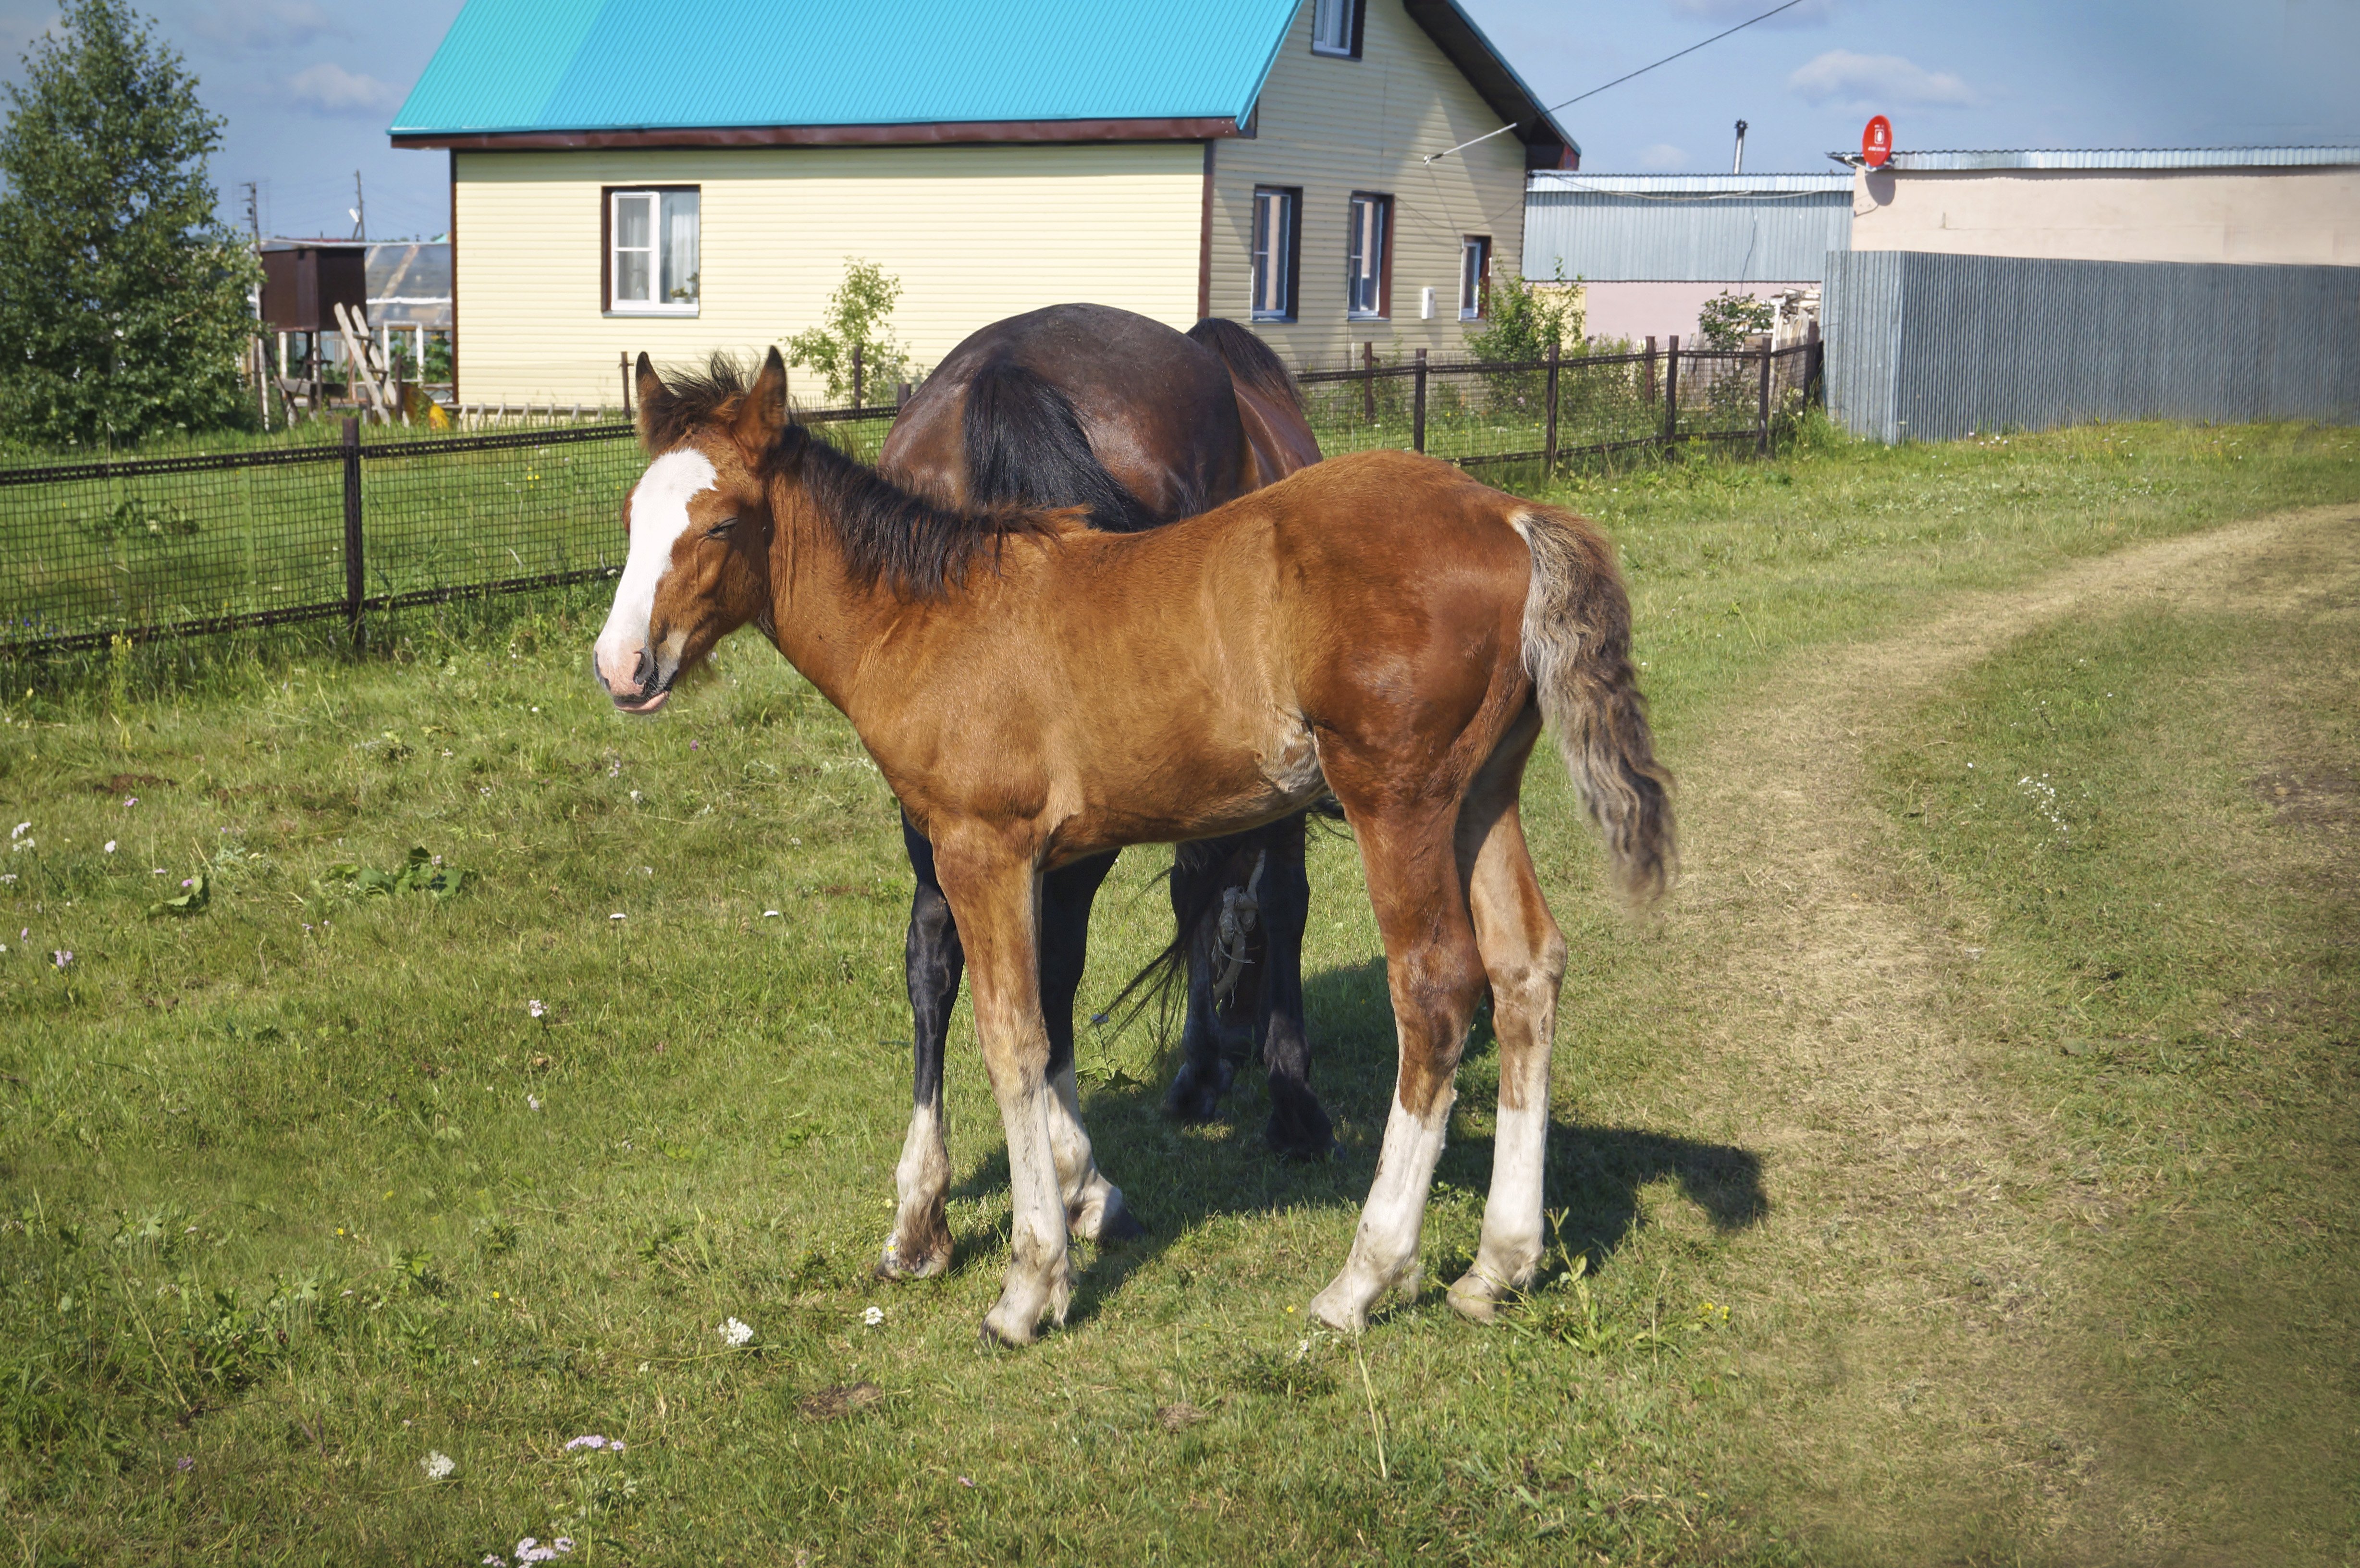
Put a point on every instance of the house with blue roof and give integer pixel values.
(681, 179)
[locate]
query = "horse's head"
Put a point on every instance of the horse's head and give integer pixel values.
(700, 524)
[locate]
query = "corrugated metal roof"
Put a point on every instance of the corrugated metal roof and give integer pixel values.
(576, 65)
(1679, 185)
(2121, 158)
(1685, 228)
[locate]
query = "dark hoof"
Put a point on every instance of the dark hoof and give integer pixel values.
(1118, 1228)
(1299, 1127)
(1197, 1096)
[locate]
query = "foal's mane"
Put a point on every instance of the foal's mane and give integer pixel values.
(888, 535)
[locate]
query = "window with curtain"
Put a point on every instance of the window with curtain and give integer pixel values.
(1274, 253)
(1369, 240)
(1474, 276)
(1335, 28)
(653, 262)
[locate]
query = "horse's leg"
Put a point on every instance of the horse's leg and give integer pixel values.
(1524, 956)
(1298, 1124)
(1435, 974)
(995, 891)
(1094, 1206)
(1205, 1074)
(920, 1245)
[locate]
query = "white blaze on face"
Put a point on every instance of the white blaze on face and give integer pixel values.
(659, 517)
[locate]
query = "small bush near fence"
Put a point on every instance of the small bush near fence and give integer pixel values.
(309, 531)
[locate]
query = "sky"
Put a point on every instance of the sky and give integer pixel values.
(308, 86)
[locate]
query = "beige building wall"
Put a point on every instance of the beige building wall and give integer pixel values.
(1334, 126)
(974, 233)
(2300, 216)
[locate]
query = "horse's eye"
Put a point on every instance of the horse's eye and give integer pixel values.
(723, 526)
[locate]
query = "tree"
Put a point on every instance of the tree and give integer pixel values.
(1526, 318)
(1729, 317)
(854, 318)
(124, 303)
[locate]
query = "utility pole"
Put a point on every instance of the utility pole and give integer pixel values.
(360, 209)
(253, 209)
(260, 346)
(1737, 164)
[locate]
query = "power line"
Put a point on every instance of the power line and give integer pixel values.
(1619, 81)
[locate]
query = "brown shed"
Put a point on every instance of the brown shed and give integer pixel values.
(303, 284)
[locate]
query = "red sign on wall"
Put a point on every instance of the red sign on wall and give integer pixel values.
(1877, 142)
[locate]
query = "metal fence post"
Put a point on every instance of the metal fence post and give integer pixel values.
(1648, 377)
(1417, 416)
(1761, 415)
(1671, 390)
(1815, 388)
(356, 578)
(1548, 443)
(856, 375)
(1369, 383)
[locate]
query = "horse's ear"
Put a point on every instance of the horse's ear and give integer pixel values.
(763, 414)
(655, 408)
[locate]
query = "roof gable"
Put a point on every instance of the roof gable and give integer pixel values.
(527, 66)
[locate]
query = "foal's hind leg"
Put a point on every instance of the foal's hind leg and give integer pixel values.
(1094, 1206)
(920, 1245)
(1435, 974)
(1524, 956)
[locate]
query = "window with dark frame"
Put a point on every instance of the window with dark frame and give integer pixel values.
(652, 243)
(1474, 276)
(1335, 28)
(1277, 249)
(1368, 269)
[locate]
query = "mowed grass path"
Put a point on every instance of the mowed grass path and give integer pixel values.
(1958, 1169)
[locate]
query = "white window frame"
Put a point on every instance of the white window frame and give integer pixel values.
(1475, 281)
(616, 304)
(1368, 218)
(1335, 28)
(1274, 253)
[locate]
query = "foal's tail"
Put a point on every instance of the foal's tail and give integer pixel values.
(1577, 651)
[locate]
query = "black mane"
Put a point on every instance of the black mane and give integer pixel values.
(890, 535)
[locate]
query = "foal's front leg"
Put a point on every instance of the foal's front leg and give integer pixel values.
(995, 893)
(920, 1245)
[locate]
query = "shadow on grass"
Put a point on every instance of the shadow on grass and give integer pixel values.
(1176, 1177)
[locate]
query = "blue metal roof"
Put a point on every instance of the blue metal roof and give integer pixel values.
(590, 65)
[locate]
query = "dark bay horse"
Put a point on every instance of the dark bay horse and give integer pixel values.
(1091, 407)
(1378, 628)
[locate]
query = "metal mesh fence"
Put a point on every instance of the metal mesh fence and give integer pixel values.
(1476, 414)
(181, 545)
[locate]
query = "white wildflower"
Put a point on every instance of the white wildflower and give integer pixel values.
(873, 1316)
(733, 1333)
(534, 1007)
(532, 1101)
(437, 1466)
(110, 846)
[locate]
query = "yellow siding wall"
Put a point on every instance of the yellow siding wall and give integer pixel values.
(974, 233)
(1334, 126)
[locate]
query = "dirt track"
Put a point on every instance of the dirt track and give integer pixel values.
(1899, 1169)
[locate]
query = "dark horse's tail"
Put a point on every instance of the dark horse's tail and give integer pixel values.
(1251, 362)
(1026, 447)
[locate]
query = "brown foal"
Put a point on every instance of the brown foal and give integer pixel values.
(1378, 627)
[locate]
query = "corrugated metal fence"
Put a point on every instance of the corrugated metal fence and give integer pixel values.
(1932, 347)
(1692, 228)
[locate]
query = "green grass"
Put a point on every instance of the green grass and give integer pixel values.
(296, 1191)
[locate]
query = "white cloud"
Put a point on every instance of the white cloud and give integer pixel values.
(1872, 83)
(1663, 155)
(332, 89)
(1810, 13)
